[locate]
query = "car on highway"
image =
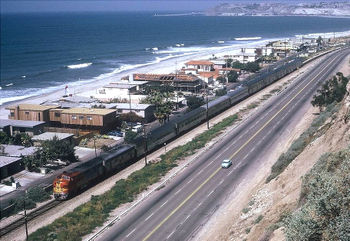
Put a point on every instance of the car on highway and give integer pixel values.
(226, 163)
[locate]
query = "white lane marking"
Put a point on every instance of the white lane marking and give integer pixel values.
(131, 232)
(200, 172)
(246, 156)
(210, 193)
(190, 181)
(178, 190)
(221, 182)
(170, 234)
(230, 172)
(198, 205)
(164, 203)
(187, 217)
(149, 216)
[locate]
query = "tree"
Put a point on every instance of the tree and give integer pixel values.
(57, 149)
(237, 65)
(252, 67)
(232, 76)
(194, 102)
(162, 102)
(229, 62)
(220, 92)
(221, 79)
(130, 136)
(130, 117)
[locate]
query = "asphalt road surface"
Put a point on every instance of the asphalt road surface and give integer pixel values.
(179, 210)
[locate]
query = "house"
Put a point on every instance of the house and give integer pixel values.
(12, 127)
(200, 65)
(207, 77)
(11, 157)
(30, 112)
(9, 166)
(86, 118)
(242, 57)
(180, 82)
(145, 111)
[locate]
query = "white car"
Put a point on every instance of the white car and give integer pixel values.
(226, 163)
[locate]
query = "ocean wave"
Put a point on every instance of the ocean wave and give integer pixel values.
(324, 35)
(78, 66)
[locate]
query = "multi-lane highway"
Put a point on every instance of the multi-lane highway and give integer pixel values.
(178, 210)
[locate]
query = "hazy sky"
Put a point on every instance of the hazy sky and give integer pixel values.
(115, 5)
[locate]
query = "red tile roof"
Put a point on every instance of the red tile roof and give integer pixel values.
(199, 62)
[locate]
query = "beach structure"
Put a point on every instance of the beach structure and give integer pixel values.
(242, 57)
(30, 112)
(101, 119)
(180, 82)
(123, 91)
(146, 111)
(12, 127)
(200, 65)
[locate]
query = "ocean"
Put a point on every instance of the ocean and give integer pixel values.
(43, 52)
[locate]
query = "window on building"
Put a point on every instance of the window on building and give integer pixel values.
(74, 117)
(81, 117)
(12, 114)
(27, 112)
(57, 114)
(89, 117)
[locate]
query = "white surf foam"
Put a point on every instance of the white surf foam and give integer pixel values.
(78, 66)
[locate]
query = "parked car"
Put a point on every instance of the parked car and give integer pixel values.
(116, 133)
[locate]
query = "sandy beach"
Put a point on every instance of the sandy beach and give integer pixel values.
(163, 67)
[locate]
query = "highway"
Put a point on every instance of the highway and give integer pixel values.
(179, 210)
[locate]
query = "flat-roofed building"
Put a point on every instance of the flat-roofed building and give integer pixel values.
(9, 166)
(48, 136)
(145, 111)
(180, 82)
(88, 118)
(19, 126)
(30, 112)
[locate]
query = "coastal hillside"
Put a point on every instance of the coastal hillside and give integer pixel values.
(281, 9)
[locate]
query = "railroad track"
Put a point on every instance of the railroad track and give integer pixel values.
(30, 216)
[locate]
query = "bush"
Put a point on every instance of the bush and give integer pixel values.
(37, 194)
(194, 102)
(299, 144)
(130, 136)
(325, 213)
(258, 219)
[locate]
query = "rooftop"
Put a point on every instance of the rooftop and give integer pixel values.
(50, 135)
(90, 111)
(120, 85)
(166, 77)
(6, 160)
(199, 62)
(20, 123)
(32, 107)
(17, 151)
(207, 74)
(133, 106)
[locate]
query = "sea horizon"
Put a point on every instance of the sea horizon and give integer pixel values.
(47, 51)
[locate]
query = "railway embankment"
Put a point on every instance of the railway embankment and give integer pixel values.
(94, 199)
(307, 197)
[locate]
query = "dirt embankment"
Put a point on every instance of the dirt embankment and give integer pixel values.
(257, 206)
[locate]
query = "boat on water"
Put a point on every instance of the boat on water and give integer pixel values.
(247, 38)
(155, 48)
(10, 84)
(221, 41)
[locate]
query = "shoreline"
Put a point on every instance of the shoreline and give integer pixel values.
(162, 67)
(168, 65)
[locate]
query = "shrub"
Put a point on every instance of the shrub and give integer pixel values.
(258, 219)
(37, 194)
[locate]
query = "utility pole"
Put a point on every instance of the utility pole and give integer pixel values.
(145, 139)
(95, 146)
(206, 92)
(25, 214)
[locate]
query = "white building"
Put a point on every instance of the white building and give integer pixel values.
(200, 65)
(123, 91)
(145, 111)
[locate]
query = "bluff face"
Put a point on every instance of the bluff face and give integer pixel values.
(281, 9)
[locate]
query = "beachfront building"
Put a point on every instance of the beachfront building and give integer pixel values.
(145, 111)
(200, 65)
(12, 127)
(30, 112)
(121, 91)
(180, 82)
(242, 57)
(87, 118)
